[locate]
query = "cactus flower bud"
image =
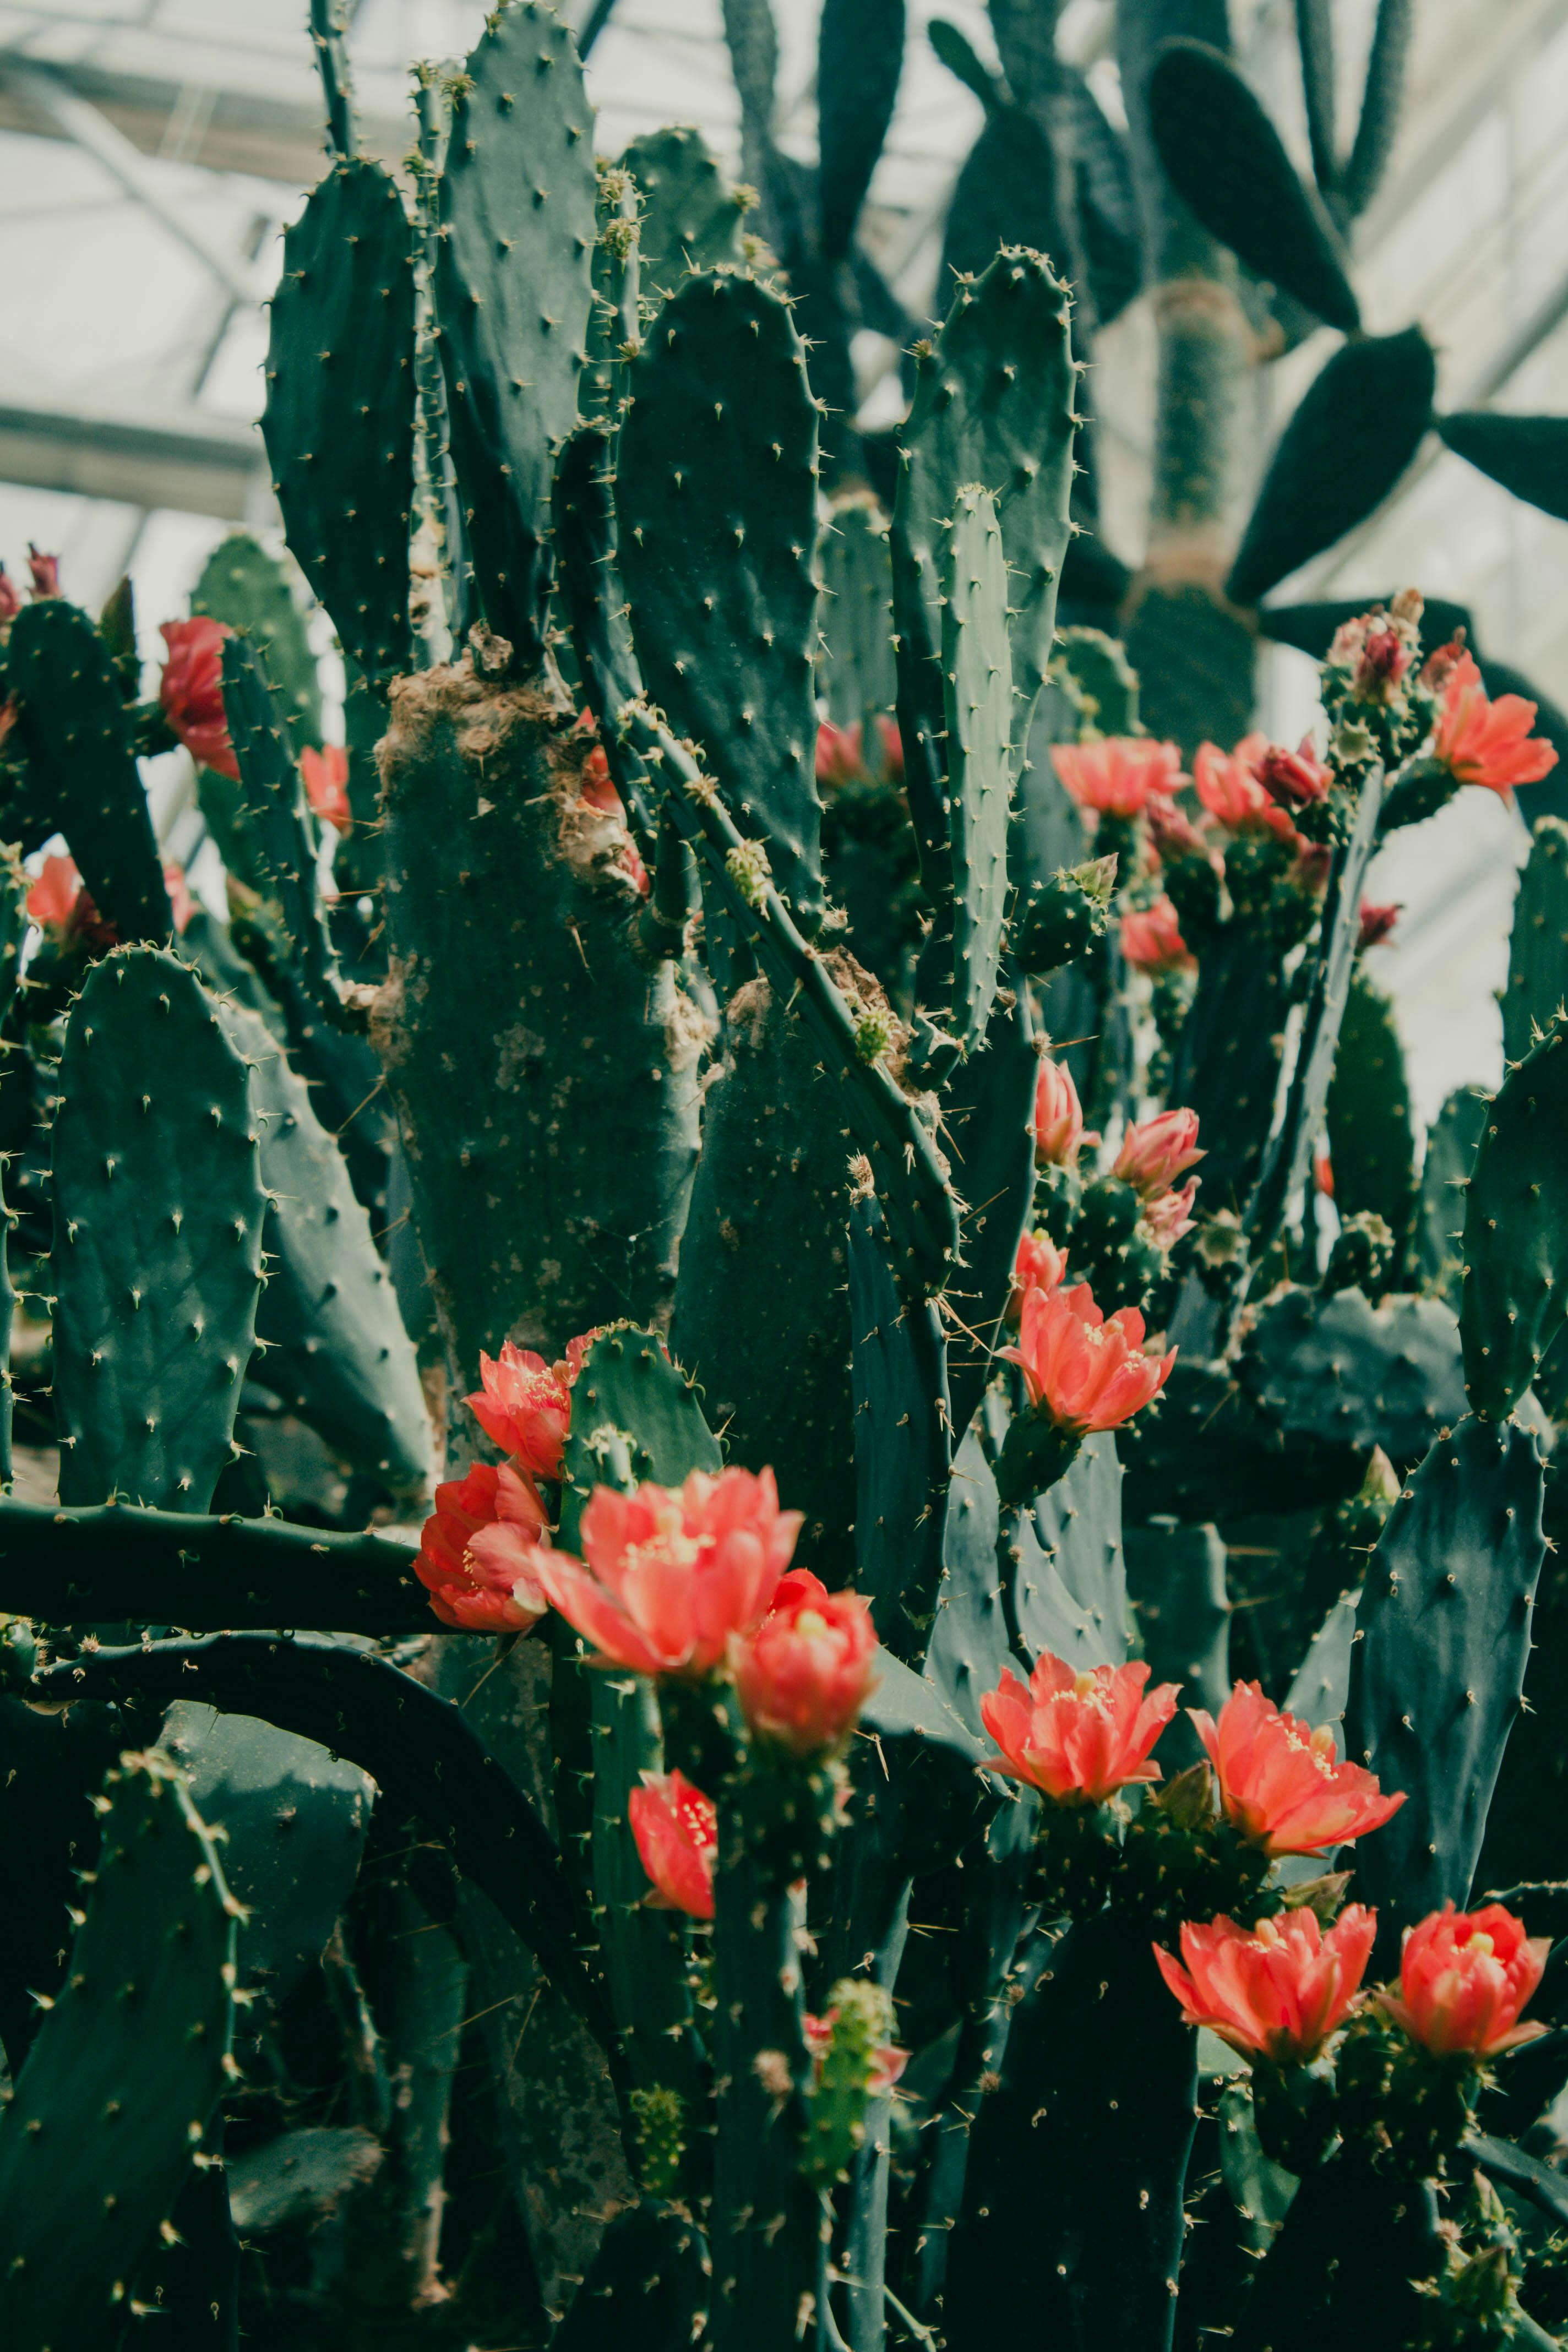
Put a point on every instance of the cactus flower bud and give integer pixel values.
(1464, 1975)
(181, 906)
(1295, 779)
(525, 1404)
(1151, 938)
(677, 1832)
(1376, 925)
(1377, 648)
(1059, 1117)
(45, 571)
(1169, 1216)
(806, 1672)
(191, 691)
(669, 1574)
(1077, 1737)
(1157, 1150)
(1172, 834)
(1116, 775)
(1040, 1266)
(1081, 1371)
(326, 775)
(1280, 1783)
(475, 1581)
(1277, 1990)
(1483, 742)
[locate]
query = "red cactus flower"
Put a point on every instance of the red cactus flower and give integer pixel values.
(181, 903)
(1280, 1783)
(1039, 1265)
(326, 775)
(58, 904)
(840, 754)
(666, 1576)
(1077, 1737)
(1084, 1373)
(1151, 938)
(45, 571)
(1157, 1150)
(1169, 1216)
(1228, 788)
(10, 602)
(474, 1581)
(1279, 1990)
(1485, 742)
(1295, 779)
(1059, 1117)
(677, 1832)
(806, 1672)
(191, 691)
(1376, 924)
(524, 1406)
(1118, 775)
(53, 897)
(1464, 1975)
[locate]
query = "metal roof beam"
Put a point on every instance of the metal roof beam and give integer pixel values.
(198, 466)
(265, 137)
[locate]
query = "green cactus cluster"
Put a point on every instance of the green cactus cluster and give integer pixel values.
(678, 1850)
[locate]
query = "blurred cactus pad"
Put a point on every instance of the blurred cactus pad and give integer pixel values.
(779, 1564)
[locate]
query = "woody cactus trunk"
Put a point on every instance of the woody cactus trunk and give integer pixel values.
(944, 1755)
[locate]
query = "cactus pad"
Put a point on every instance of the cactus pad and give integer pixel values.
(339, 425)
(157, 1252)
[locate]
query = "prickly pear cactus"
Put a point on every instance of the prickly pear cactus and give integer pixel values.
(751, 1348)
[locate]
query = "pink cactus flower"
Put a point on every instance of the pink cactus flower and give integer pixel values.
(326, 775)
(1485, 742)
(10, 602)
(1151, 938)
(524, 1404)
(483, 1585)
(1376, 924)
(1280, 1783)
(191, 691)
(667, 1576)
(1039, 1265)
(1084, 1373)
(1277, 1991)
(806, 1672)
(1077, 1737)
(1118, 775)
(677, 1832)
(1295, 779)
(1157, 1150)
(1059, 1117)
(1464, 1975)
